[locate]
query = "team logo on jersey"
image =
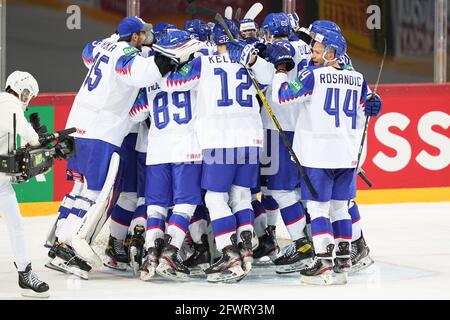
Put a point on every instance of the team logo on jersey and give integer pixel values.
(296, 85)
(185, 70)
(128, 51)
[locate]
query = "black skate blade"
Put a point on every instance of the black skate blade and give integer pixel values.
(29, 293)
(294, 267)
(56, 268)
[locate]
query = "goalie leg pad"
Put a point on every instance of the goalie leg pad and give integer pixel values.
(97, 215)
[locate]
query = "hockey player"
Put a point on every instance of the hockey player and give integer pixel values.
(229, 130)
(201, 31)
(20, 88)
(100, 113)
(283, 185)
(138, 223)
(360, 251)
(173, 166)
(127, 226)
(330, 122)
(123, 211)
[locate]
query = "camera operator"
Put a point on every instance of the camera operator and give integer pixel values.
(20, 88)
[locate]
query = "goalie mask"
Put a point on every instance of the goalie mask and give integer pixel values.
(24, 85)
(178, 45)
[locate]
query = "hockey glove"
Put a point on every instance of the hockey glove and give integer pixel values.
(261, 49)
(281, 53)
(240, 51)
(165, 64)
(373, 105)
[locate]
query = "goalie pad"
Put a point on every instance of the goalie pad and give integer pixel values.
(97, 215)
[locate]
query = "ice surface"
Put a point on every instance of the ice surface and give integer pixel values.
(410, 244)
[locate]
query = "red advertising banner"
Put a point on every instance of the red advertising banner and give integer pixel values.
(409, 143)
(408, 146)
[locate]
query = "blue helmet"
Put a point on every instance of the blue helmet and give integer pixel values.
(173, 38)
(198, 28)
(219, 34)
(319, 25)
(160, 28)
(332, 40)
(277, 24)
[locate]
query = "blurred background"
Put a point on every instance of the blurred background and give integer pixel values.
(46, 37)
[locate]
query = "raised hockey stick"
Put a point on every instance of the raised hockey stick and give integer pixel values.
(366, 125)
(237, 15)
(261, 95)
(254, 10)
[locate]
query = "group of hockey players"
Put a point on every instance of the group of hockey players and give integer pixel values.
(170, 139)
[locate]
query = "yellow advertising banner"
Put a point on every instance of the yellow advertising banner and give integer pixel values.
(351, 16)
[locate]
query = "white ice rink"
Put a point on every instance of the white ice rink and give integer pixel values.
(410, 244)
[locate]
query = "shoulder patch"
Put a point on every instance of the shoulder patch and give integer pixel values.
(296, 85)
(185, 69)
(128, 51)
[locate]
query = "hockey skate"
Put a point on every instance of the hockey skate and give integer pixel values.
(360, 256)
(200, 259)
(297, 256)
(136, 250)
(227, 268)
(342, 263)
(170, 265)
(321, 272)
(246, 251)
(116, 256)
(67, 260)
(268, 246)
(150, 264)
(52, 255)
(30, 284)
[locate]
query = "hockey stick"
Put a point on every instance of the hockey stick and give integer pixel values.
(366, 125)
(254, 10)
(261, 95)
(237, 15)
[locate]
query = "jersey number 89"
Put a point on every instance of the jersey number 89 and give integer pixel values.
(181, 100)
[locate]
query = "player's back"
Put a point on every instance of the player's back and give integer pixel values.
(331, 119)
(228, 112)
(101, 105)
(171, 132)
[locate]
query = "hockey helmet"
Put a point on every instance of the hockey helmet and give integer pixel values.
(24, 84)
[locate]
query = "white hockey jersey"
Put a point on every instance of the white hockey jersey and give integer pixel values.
(227, 109)
(100, 110)
(171, 135)
(142, 138)
(331, 119)
(287, 117)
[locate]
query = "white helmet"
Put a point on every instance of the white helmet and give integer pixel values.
(24, 84)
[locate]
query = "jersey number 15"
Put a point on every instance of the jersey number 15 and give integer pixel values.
(90, 81)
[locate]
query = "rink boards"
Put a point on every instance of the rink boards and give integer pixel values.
(407, 157)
